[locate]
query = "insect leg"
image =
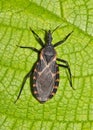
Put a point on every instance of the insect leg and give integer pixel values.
(37, 38)
(32, 48)
(23, 83)
(62, 41)
(66, 65)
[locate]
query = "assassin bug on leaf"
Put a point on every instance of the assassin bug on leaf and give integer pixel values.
(46, 72)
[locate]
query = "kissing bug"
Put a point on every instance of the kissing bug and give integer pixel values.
(46, 72)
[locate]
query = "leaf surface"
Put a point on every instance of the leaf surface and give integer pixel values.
(69, 109)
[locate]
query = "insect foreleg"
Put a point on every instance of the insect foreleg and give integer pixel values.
(62, 41)
(37, 38)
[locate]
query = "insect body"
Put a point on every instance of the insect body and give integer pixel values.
(46, 72)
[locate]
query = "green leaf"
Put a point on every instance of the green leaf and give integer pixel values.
(69, 109)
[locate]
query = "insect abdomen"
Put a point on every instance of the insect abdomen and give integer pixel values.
(56, 83)
(45, 81)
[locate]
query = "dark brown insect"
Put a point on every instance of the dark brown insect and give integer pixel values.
(46, 72)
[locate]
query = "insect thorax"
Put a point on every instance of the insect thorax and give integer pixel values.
(48, 54)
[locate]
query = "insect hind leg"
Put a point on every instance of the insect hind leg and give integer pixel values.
(23, 83)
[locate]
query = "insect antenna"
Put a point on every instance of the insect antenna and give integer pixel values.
(56, 28)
